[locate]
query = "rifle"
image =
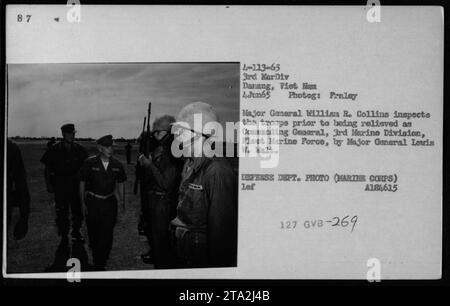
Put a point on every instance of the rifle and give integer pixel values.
(138, 167)
(147, 135)
(143, 126)
(144, 147)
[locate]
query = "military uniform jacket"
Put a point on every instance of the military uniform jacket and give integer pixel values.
(62, 162)
(97, 179)
(208, 203)
(164, 173)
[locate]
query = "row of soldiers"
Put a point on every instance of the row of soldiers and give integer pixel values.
(189, 205)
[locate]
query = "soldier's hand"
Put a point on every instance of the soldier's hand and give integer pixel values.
(21, 229)
(144, 161)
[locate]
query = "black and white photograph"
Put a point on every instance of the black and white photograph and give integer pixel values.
(231, 145)
(92, 174)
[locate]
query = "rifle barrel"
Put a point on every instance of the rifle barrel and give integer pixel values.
(147, 136)
(149, 111)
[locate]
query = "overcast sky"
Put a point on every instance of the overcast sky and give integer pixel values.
(112, 99)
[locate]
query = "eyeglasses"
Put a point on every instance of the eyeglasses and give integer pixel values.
(177, 130)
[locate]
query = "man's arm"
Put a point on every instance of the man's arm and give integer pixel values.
(19, 176)
(138, 174)
(83, 176)
(48, 179)
(85, 153)
(22, 186)
(221, 189)
(83, 196)
(47, 160)
(165, 178)
(121, 185)
(120, 191)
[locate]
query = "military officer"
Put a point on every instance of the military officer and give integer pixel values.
(101, 187)
(17, 191)
(164, 172)
(62, 163)
(205, 228)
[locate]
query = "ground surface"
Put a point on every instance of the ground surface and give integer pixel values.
(36, 252)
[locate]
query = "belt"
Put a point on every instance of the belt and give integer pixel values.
(100, 196)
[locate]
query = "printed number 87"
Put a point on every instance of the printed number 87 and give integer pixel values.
(20, 18)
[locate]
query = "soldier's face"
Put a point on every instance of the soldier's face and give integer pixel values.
(106, 151)
(68, 137)
(159, 134)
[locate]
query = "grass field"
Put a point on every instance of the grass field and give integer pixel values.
(36, 252)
